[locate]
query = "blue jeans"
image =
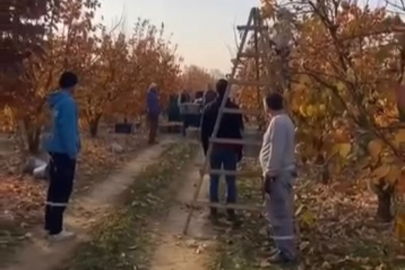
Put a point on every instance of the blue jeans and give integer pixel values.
(226, 159)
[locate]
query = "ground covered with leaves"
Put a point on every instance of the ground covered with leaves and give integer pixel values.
(22, 196)
(337, 230)
(125, 239)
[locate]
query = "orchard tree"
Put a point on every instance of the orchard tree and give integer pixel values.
(151, 58)
(196, 78)
(346, 62)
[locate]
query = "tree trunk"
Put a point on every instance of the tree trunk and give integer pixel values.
(33, 134)
(93, 125)
(33, 138)
(384, 205)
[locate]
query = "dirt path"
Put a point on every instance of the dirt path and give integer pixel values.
(174, 251)
(38, 254)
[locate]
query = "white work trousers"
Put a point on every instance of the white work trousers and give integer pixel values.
(280, 213)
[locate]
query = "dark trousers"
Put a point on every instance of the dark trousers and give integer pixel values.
(153, 121)
(61, 174)
(226, 159)
(186, 123)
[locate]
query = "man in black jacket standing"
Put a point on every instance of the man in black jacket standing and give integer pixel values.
(225, 155)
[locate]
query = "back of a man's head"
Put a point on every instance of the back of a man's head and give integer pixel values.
(275, 102)
(152, 87)
(68, 80)
(222, 84)
(209, 96)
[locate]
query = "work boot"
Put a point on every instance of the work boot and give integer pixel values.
(232, 217)
(279, 258)
(62, 236)
(213, 216)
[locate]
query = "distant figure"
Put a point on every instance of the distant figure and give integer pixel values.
(184, 98)
(199, 97)
(153, 113)
(278, 165)
(209, 96)
(224, 155)
(63, 146)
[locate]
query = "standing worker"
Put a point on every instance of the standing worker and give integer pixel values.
(63, 146)
(182, 100)
(153, 113)
(223, 155)
(278, 165)
(209, 96)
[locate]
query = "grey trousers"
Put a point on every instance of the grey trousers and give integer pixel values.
(280, 213)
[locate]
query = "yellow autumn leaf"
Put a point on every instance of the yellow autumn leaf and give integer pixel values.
(400, 226)
(309, 111)
(308, 217)
(374, 149)
(380, 172)
(301, 109)
(400, 136)
(343, 149)
(393, 175)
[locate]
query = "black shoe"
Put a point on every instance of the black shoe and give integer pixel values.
(279, 258)
(231, 215)
(213, 214)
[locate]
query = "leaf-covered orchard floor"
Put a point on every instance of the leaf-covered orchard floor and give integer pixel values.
(125, 240)
(337, 227)
(337, 231)
(22, 196)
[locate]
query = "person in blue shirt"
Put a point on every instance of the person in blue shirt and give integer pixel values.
(153, 110)
(63, 146)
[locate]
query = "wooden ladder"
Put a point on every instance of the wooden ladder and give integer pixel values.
(261, 51)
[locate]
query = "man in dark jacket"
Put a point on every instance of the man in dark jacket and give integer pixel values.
(184, 98)
(223, 155)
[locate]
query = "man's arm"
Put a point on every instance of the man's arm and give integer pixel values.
(240, 121)
(239, 118)
(277, 138)
(67, 126)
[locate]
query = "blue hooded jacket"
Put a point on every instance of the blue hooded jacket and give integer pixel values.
(153, 102)
(64, 137)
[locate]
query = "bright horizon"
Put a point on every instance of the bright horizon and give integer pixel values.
(202, 30)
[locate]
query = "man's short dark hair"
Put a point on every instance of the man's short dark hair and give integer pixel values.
(222, 84)
(67, 80)
(275, 101)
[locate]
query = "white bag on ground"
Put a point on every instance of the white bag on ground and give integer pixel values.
(40, 172)
(116, 148)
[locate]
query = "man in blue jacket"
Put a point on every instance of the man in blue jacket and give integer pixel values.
(153, 112)
(63, 146)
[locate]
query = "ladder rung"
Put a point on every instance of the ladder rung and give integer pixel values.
(242, 111)
(253, 208)
(249, 83)
(235, 141)
(252, 27)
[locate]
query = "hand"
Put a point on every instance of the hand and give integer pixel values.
(267, 183)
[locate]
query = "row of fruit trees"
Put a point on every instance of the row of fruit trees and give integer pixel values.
(40, 39)
(343, 77)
